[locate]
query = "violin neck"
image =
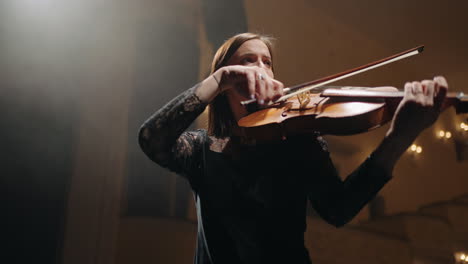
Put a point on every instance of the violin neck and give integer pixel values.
(358, 93)
(459, 100)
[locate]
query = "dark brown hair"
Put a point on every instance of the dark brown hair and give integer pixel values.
(220, 117)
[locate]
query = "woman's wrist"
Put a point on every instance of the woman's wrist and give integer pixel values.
(209, 88)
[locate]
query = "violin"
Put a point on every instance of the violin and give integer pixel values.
(333, 110)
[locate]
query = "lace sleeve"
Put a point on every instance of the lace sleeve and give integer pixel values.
(162, 139)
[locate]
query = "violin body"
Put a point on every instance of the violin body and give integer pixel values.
(325, 115)
(331, 112)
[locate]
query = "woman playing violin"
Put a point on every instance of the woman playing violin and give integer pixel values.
(251, 196)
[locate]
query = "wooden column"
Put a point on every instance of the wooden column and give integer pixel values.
(94, 201)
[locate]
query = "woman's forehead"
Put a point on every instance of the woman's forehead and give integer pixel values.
(253, 46)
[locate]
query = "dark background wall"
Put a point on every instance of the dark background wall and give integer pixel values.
(77, 78)
(38, 113)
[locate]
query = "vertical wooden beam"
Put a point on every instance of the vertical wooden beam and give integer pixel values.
(93, 213)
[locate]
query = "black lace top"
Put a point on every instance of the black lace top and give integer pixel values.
(251, 202)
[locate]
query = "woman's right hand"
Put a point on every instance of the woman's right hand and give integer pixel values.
(251, 82)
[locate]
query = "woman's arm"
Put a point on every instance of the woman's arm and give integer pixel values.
(161, 136)
(419, 109)
(161, 139)
(339, 201)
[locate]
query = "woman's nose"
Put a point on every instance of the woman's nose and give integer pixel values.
(260, 64)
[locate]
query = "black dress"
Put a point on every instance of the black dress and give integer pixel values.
(251, 202)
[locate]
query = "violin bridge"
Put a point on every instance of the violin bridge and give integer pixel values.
(304, 100)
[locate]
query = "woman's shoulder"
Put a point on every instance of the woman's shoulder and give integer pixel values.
(200, 137)
(217, 144)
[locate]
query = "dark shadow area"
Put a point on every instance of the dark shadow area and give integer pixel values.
(167, 63)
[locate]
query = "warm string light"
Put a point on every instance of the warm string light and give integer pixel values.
(444, 134)
(461, 257)
(464, 126)
(415, 149)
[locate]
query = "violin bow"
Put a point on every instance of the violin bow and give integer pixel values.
(304, 87)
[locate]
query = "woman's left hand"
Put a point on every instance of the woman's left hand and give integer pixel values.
(419, 108)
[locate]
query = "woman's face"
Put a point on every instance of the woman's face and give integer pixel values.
(253, 52)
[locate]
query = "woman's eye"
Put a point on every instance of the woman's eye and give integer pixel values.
(247, 60)
(268, 63)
